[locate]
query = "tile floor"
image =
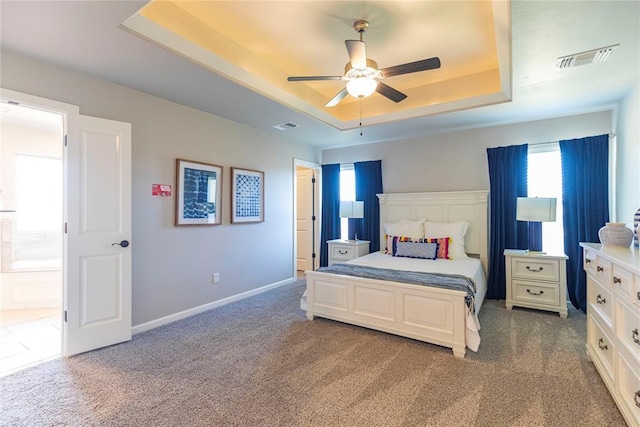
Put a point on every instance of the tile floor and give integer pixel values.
(28, 337)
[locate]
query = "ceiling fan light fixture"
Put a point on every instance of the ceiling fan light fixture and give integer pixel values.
(361, 87)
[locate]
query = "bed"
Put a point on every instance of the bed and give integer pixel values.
(436, 313)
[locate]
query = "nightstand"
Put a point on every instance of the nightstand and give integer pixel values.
(536, 280)
(344, 250)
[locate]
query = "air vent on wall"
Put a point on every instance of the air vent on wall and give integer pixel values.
(285, 126)
(584, 58)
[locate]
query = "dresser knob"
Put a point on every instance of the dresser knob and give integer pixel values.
(587, 261)
(638, 296)
(636, 397)
(533, 293)
(536, 270)
(634, 335)
(616, 280)
(598, 268)
(600, 300)
(601, 345)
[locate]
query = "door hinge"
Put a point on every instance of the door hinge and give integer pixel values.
(65, 228)
(65, 316)
(313, 180)
(65, 140)
(313, 255)
(313, 217)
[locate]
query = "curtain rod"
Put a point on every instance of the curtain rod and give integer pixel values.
(611, 135)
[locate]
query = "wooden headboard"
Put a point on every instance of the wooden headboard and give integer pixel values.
(450, 206)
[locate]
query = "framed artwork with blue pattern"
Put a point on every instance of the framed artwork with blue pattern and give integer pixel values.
(247, 196)
(198, 193)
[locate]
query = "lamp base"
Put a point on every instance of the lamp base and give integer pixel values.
(535, 237)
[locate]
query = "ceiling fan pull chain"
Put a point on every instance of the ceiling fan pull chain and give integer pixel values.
(360, 114)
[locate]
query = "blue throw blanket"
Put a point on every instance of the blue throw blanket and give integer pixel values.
(436, 280)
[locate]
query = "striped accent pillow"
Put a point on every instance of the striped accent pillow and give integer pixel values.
(443, 246)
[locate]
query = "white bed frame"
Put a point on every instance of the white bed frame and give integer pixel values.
(427, 314)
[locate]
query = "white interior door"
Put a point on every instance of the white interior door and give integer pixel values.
(304, 222)
(98, 223)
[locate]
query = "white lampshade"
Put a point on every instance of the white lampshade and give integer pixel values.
(361, 87)
(536, 209)
(351, 209)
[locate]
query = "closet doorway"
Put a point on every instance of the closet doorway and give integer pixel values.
(307, 218)
(31, 250)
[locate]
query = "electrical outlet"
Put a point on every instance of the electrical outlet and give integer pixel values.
(215, 278)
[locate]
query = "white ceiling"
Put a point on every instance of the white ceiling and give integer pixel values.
(87, 36)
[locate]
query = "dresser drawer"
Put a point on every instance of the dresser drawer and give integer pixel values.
(535, 269)
(590, 260)
(603, 270)
(535, 292)
(627, 326)
(602, 346)
(622, 280)
(342, 252)
(600, 300)
(628, 386)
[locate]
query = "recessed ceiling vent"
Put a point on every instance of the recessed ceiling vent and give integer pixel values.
(584, 58)
(285, 126)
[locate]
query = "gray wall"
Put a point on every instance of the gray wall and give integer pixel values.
(172, 266)
(458, 160)
(628, 157)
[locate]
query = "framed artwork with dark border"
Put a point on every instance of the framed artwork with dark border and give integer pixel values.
(198, 193)
(247, 196)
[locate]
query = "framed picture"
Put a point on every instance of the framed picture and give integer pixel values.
(198, 193)
(247, 196)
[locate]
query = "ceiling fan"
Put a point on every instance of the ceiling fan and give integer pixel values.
(362, 74)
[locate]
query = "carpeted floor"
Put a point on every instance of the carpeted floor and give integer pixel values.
(259, 362)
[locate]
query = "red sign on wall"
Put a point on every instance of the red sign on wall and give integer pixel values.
(160, 190)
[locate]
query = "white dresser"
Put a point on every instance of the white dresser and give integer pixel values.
(344, 250)
(613, 322)
(536, 280)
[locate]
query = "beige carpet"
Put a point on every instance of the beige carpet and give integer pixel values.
(259, 362)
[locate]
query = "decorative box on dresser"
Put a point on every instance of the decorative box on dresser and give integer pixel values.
(613, 322)
(344, 250)
(536, 280)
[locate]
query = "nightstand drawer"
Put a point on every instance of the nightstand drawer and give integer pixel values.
(534, 292)
(342, 252)
(535, 269)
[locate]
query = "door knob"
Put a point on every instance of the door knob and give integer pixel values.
(124, 243)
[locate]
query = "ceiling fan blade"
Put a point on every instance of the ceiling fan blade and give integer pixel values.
(389, 92)
(311, 78)
(357, 53)
(336, 99)
(412, 67)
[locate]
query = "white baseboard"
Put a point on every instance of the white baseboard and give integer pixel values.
(201, 309)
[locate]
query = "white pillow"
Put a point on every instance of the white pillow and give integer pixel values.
(454, 230)
(405, 228)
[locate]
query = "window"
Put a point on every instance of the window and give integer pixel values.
(347, 193)
(35, 241)
(38, 193)
(545, 180)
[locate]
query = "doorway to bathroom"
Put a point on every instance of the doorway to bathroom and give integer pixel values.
(31, 239)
